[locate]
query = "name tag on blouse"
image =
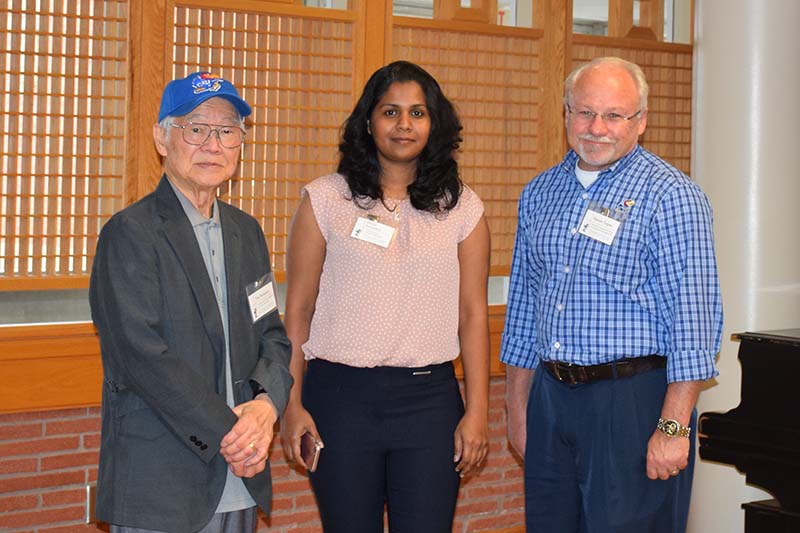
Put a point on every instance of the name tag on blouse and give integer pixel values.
(599, 227)
(370, 230)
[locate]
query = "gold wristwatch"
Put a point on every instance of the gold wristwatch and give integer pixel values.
(673, 428)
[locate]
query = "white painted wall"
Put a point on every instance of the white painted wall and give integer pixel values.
(747, 159)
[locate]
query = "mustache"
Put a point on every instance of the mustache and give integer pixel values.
(592, 138)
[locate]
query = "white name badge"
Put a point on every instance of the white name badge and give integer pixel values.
(599, 227)
(372, 231)
(262, 297)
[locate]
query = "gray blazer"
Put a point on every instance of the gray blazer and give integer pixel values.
(163, 349)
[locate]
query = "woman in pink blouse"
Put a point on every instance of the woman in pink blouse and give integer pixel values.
(387, 274)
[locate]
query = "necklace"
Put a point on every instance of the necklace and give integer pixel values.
(394, 210)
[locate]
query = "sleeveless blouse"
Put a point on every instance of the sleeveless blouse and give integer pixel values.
(395, 306)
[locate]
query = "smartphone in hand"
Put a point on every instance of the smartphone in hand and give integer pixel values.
(309, 450)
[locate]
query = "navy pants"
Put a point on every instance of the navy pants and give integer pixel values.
(388, 435)
(586, 456)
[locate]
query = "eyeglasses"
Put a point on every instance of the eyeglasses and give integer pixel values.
(198, 134)
(587, 117)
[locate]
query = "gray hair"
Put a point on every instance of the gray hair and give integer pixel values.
(164, 124)
(632, 68)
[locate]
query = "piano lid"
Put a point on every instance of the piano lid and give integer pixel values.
(784, 336)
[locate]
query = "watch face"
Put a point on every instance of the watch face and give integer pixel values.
(670, 427)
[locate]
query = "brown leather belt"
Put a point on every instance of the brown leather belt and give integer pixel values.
(623, 368)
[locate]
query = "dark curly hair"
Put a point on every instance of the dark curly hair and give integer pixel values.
(437, 185)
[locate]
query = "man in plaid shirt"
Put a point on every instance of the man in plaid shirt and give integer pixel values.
(613, 322)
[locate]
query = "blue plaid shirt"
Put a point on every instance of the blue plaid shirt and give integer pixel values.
(654, 290)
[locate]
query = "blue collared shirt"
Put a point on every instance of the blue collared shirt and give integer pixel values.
(654, 290)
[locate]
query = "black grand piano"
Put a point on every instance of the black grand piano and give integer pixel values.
(761, 437)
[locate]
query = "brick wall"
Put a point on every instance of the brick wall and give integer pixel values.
(47, 458)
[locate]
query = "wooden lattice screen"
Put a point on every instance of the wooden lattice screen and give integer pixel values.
(297, 74)
(64, 83)
(67, 78)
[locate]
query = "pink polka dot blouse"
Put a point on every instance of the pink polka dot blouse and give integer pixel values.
(394, 306)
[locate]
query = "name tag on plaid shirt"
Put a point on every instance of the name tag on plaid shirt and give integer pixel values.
(599, 227)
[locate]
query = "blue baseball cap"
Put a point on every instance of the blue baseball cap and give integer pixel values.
(182, 96)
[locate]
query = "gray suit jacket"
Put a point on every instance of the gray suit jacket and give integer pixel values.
(163, 349)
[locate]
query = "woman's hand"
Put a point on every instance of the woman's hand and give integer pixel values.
(471, 443)
(296, 421)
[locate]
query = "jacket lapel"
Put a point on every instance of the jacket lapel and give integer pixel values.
(232, 241)
(180, 235)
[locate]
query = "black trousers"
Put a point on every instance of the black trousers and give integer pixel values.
(388, 435)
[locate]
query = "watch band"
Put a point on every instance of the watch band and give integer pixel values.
(673, 428)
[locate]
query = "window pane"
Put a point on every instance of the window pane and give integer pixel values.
(329, 4)
(42, 307)
(517, 13)
(413, 8)
(509, 12)
(590, 17)
(678, 21)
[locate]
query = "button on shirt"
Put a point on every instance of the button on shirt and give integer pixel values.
(654, 290)
(208, 232)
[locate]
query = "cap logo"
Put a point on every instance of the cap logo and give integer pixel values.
(206, 82)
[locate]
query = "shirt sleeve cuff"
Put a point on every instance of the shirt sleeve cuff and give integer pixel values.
(516, 351)
(691, 366)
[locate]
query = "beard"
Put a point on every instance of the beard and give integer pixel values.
(597, 155)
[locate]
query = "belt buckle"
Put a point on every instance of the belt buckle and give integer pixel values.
(569, 377)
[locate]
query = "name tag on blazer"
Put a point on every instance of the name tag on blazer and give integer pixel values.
(262, 297)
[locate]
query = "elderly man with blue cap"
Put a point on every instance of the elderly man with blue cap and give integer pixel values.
(195, 357)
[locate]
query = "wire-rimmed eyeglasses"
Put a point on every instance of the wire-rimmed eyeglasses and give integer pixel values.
(587, 117)
(197, 134)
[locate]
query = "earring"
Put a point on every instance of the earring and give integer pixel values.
(369, 129)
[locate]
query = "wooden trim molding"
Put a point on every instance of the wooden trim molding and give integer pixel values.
(557, 46)
(466, 26)
(632, 43)
(150, 25)
(620, 17)
(373, 43)
(483, 11)
(40, 283)
(49, 367)
(58, 366)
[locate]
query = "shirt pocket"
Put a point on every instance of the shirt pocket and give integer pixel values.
(623, 265)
